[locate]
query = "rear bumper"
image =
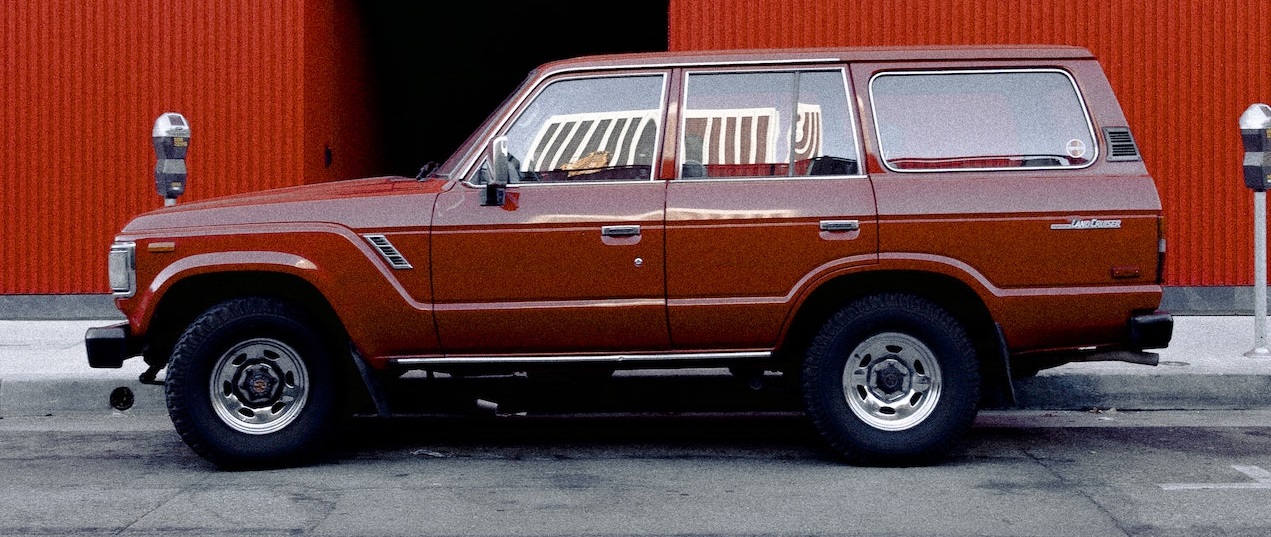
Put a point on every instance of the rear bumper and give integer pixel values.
(109, 346)
(1151, 331)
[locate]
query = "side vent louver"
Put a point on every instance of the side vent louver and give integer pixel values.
(395, 258)
(1121, 144)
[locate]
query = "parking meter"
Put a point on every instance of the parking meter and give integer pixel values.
(171, 140)
(1255, 132)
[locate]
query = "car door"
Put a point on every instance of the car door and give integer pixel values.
(769, 197)
(573, 260)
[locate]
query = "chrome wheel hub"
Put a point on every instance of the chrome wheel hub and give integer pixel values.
(892, 381)
(889, 380)
(259, 386)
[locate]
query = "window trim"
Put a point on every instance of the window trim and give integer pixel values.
(878, 136)
(803, 67)
(471, 167)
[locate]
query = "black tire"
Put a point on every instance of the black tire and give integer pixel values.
(891, 379)
(275, 397)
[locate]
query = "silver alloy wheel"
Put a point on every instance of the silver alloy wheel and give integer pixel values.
(259, 387)
(892, 381)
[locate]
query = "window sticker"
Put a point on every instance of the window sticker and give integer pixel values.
(1076, 148)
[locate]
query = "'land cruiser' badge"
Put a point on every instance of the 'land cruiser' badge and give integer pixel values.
(1088, 223)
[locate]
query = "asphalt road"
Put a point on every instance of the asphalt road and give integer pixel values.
(1022, 473)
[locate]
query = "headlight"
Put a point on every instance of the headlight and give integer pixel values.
(123, 268)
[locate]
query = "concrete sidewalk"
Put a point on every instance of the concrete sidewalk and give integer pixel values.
(44, 370)
(1204, 368)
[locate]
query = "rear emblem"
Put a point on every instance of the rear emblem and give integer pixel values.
(1088, 223)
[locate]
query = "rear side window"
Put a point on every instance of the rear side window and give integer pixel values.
(767, 124)
(981, 120)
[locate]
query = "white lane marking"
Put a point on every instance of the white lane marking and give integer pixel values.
(1261, 478)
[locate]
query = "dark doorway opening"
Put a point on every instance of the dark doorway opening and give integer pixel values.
(440, 70)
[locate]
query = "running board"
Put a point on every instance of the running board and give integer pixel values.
(625, 359)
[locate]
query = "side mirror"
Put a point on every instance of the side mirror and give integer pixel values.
(497, 156)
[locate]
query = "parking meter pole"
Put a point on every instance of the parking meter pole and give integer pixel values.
(1259, 276)
(1255, 135)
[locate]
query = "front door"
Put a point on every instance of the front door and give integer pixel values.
(573, 260)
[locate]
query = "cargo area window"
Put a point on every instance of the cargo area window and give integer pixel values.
(767, 124)
(981, 120)
(587, 129)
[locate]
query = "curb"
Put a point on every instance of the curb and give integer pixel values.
(1144, 392)
(44, 397)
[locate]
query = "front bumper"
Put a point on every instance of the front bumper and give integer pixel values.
(109, 346)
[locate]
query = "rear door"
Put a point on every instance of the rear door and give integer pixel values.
(770, 195)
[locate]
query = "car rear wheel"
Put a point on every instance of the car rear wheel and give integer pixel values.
(891, 379)
(251, 384)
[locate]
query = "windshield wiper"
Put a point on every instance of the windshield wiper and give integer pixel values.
(426, 170)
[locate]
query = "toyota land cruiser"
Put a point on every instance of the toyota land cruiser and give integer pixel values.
(897, 230)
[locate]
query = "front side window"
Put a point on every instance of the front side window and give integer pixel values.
(931, 121)
(587, 129)
(767, 124)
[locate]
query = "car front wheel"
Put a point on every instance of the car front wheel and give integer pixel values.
(250, 384)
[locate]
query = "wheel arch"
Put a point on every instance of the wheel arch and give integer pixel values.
(191, 296)
(950, 293)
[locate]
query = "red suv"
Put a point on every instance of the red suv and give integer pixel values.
(896, 229)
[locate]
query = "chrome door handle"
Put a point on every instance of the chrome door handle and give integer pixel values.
(840, 225)
(620, 231)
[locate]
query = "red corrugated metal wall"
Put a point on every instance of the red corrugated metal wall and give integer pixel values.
(1183, 71)
(84, 81)
(82, 85)
(268, 86)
